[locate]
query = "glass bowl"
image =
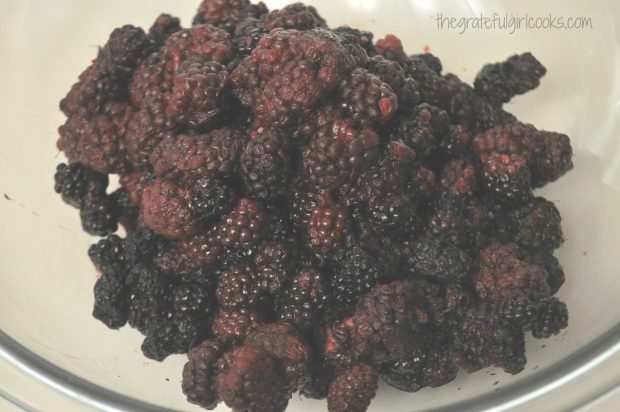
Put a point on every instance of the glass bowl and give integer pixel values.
(46, 278)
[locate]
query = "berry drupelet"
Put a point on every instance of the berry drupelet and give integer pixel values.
(500, 82)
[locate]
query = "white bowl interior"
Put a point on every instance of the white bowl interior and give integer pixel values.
(46, 278)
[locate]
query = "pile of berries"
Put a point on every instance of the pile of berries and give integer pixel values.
(309, 210)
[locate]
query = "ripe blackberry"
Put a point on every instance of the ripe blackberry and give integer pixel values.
(304, 299)
(337, 156)
(470, 110)
(482, 339)
(95, 141)
(199, 373)
(244, 227)
(94, 88)
(545, 317)
(274, 262)
(548, 154)
(353, 389)
(199, 93)
(108, 254)
(438, 261)
(124, 50)
(393, 74)
(192, 157)
(329, 229)
(127, 213)
(503, 275)
(98, 215)
(387, 325)
(553, 158)
(169, 336)
(296, 16)
(238, 289)
(507, 179)
(74, 181)
(366, 98)
(364, 37)
(433, 88)
(551, 318)
(227, 14)
(317, 386)
(265, 165)
(432, 367)
(111, 298)
(500, 82)
(354, 274)
(163, 27)
(201, 42)
(535, 226)
(250, 379)
(111, 292)
(553, 267)
(234, 326)
(149, 298)
(406, 374)
(282, 341)
(165, 210)
(391, 48)
(140, 245)
(430, 60)
(520, 310)
(211, 198)
(420, 128)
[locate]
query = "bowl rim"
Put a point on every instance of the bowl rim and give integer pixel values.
(518, 393)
